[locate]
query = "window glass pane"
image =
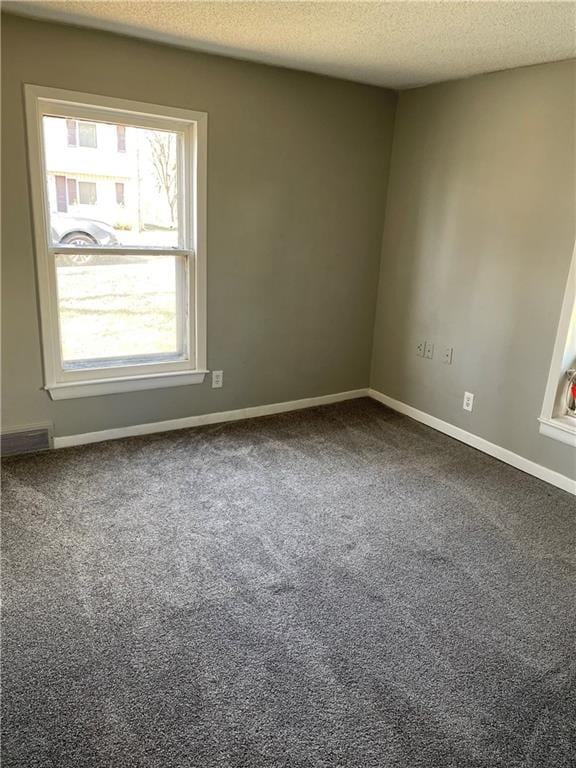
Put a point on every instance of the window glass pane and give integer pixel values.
(146, 168)
(87, 135)
(118, 309)
(87, 193)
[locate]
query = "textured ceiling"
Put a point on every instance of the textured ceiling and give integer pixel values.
(394, 44)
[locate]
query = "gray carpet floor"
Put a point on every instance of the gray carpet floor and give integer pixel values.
(334, 588)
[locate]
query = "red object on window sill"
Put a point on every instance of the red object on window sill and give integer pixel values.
(572, 405)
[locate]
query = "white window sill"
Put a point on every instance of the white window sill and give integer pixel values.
(72, 389)
(561, 428)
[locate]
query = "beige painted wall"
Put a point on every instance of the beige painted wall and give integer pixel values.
(478, 237)
(297, 176)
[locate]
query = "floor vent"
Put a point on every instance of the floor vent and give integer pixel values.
(29, 440)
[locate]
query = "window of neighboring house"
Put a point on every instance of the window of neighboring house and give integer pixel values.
(121, 138)
(558, 418)
(61, 194)
(87, 135)
(87, 192)
(123, 304)
(72, 132)
(72, 188)
(119, 193)
(81, 134)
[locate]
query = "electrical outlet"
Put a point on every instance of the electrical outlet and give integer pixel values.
(468, 401)
(447, 355)
(429, 350)
(420, 347)
(217, 379)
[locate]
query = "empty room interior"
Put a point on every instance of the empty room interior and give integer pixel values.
(288, 384)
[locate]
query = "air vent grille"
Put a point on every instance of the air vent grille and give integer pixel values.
(30, 440)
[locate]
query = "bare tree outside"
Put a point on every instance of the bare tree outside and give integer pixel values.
(163, 152)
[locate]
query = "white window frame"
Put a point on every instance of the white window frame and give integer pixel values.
(64, 383)
(554, 420)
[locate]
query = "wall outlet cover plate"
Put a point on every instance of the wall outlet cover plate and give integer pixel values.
(217, 379)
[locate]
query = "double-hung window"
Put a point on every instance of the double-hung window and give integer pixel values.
(120, 242)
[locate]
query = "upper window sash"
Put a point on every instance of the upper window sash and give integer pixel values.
(66, 104)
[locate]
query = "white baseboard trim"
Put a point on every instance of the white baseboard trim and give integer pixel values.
(503, 454)
(548, 475)
(67, 441)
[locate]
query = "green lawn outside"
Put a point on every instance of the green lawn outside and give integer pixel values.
(123, 308)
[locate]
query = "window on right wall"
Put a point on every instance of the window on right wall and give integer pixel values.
(558, 418)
